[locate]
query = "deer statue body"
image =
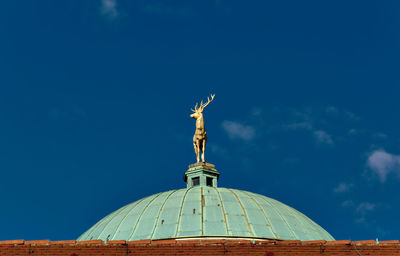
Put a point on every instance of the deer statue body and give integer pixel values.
(200, 135)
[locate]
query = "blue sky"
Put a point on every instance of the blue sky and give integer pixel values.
(95, 99)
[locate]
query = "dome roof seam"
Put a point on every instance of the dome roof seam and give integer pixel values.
(262, 210)
(115, 214)
(280, 215)
(289, 211)
(141, 215)
(160, 211)
(93, 228)
(202, 209)
(127, 214)
(316, 227)
(228, 231)
(244, 212)
(260, 203)
(90, 230)
(180, 212)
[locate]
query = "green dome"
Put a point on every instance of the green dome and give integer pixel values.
(206, 211)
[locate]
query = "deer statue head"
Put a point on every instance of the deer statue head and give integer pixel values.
(198, 111)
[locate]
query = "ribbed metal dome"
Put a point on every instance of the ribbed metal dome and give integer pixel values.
(206, 211)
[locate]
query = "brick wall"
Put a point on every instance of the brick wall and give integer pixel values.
(198, 247)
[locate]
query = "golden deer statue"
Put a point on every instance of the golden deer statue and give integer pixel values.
(200, 135)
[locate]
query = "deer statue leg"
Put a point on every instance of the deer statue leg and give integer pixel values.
(203, 148)
(196, 150)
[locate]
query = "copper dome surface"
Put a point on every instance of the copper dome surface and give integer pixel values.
(204, 211)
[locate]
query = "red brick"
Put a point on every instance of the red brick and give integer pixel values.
(64, 242)
(288, 242)
(20, 241)
(38, 242)
(339, 242)
(266, 242)
(191, 241)
(214, 247)
(364, 242)
(239, 242)
(389, 242)
(214, 241)
(94, 242)
(164, 241)
(116, 242)
(139, 242)
(314, 242)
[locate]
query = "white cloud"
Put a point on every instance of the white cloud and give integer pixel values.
(237, 130)
(109, 8)
(351, 116)
(164, 9)
(306, 120)
(299, 126)
(353, 132)
(348, 203)
(300, 119)
(361, 220)
(361, 210)
(380, 135)
(332, 110)
(343, 113)
(383, 163)
(365, 207)
(256, 111)
(342, 187)
(322, 137)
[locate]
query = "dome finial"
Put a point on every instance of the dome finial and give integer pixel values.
(200, 135)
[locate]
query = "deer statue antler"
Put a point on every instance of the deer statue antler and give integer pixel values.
(195, 108)
(202, 106)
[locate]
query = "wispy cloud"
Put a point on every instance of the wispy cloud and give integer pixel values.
(365, 207)
(380, 135)
(300, 120)
(319, 124)
(236, 130)
(256, 111)
(331, 110)
(353, 132)
(305, 125)
(383, 163)
(361, 210)
(322, 137)
(348, 203)
(343, 187)
(108, 9)
(351, 116)
(307, 120)
(168, 10)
